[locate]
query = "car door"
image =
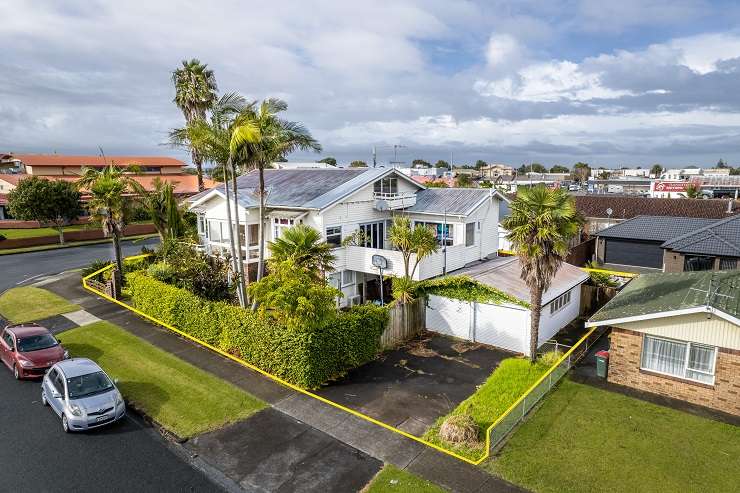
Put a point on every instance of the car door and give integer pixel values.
(56, 386)
(6, 348)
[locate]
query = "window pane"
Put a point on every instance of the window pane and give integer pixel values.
(727, 264)
(254, 234)
(664, 356)
(701, 358)
(698, 263)
(469, 234)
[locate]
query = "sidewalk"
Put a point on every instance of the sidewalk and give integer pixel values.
(300, 444)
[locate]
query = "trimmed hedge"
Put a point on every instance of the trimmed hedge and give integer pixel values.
(305, 358)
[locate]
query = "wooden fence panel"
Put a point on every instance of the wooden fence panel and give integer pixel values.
(405, 321)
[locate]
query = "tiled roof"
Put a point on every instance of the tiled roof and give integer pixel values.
(504, 273)
(654, 228)
(657, 293)
(719, 238)
(184, 184)
(627, 207)
(456, 201)
(123, 161)
(13, 179)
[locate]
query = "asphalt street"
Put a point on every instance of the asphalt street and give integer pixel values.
(19, 268)
(37, 456)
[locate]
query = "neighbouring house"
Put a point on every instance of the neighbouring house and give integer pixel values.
(602, 211)
(671, 244)
(4, 213)
(341, 201)
(678, 335)
(493, 171)
(507, 324)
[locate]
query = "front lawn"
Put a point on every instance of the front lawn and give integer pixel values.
(17, 233)
(585, 439)
(178, 396)
(393, 480)
(507, 383)
(28, 303)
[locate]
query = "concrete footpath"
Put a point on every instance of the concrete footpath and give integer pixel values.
(300, 443)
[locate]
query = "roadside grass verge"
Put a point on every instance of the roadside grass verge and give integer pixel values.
(585, 439)
(176, 395)
(17, 233)
(28, 303)
(71, 244)
(393, 479)
(507, 383)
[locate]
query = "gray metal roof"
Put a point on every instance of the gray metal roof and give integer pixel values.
(456, 201)
(719, 238)
(504, 273)
(654, 228)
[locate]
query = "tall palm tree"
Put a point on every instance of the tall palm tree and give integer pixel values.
(161, 205)
(261, 137)
(109, 203)
(195, 93)
(541, 224)
(304, 245)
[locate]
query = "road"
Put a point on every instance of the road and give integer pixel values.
(38, 456)
(18, 268)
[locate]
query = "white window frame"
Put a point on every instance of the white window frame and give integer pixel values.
(470, 228)
(351, 282)
(449, 240)
(686, 368)
(327, 235)
(560, 302)
(279, 224)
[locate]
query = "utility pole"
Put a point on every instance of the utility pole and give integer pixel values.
(395, 154)
(375, 156)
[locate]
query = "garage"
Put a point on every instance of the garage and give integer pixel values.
(633, 252)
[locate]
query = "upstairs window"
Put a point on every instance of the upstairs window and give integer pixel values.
(334, 236)
(386, 186)
(443, 232)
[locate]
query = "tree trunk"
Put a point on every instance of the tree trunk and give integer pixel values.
(261, 260)
(60, 230)
(118, 282)
(234, 258)
(240, 263)
(198, 162)
(534, 331)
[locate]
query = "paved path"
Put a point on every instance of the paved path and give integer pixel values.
(286, 465)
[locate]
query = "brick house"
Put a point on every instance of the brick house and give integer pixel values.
(678, 335)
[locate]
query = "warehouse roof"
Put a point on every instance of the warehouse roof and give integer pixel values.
(657, 295)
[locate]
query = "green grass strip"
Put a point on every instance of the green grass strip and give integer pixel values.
(28, 303)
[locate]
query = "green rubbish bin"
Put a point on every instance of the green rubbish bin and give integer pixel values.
(602, 363)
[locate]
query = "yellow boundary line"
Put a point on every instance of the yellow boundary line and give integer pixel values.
(316, 396)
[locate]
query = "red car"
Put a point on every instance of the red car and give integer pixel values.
(29, 350)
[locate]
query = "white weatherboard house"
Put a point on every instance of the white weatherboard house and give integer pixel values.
(338, 202)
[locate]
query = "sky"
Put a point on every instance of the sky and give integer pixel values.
(627, 83)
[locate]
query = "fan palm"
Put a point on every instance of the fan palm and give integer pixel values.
(109, 203)
(303, 245)
(541, 224)
(260, 137)
(195, 93)
(162, 207)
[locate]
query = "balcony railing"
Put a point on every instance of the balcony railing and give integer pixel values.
(389, 201)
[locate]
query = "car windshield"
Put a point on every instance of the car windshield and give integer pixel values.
(34, 343)
(87, 385)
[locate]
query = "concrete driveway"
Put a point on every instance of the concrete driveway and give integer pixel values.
(412, 386)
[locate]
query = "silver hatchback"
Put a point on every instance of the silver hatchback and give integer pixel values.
(80, 392)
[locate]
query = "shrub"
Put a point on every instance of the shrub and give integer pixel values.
(94, 266)
(550, 358)
(162, 271)
(307, 358)
(459, 429)
(2, 237)
(466, 289)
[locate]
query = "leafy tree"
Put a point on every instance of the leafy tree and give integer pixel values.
(38, 199)
(182, 265)
(162, 208)
(485, 184)
(558, 168)
(480, 164)
(303, 245)
(294, 297)
(109, 203)
(195, 93)
(436, 184)
(541, 223)
(420, 163)
(531, 168)
(358, 164)
(442, 164)
(581, 171)
(656, 170)
(693, 192)
(604, 175)
(420, 241)
(328, 160)
(735, 171)
(463, 180)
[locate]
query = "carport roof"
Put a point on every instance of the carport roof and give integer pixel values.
(504, 273)
(654, 228)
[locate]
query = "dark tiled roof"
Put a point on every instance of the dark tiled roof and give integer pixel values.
(657, 293)
(452, 200)
(719, 238)
(627, 207)
(654, 228)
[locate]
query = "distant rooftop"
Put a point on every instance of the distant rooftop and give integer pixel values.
(96, 161)
(655, 228)
(624, 207)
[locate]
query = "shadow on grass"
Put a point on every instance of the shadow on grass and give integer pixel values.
(77, 350)
(144, 396)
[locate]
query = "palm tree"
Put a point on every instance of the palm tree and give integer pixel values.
(260, 137)
(109, 203)
(303, 245)
(693, 192)
(162, 207)
(541, 224)
(419, 240)
(195, 93)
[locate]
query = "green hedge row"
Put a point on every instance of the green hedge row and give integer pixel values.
(305, 358)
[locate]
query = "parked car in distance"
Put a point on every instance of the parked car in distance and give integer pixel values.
(574, 188)
(29, 350)
(80, 393)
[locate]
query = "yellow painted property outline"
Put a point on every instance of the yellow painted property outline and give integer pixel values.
(323, 399)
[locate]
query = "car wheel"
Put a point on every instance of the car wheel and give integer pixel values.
(65, 423)
(43, 399)
(16, 372)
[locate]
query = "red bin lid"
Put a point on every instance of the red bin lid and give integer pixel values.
(603, 354)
